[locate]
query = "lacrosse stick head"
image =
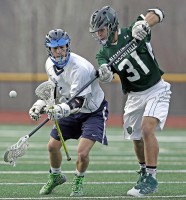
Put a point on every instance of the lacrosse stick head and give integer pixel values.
(16, 150)
(45, 91)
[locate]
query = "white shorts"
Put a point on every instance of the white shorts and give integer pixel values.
(153, 102)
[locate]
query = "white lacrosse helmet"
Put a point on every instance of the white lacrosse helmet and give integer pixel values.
(56, 38)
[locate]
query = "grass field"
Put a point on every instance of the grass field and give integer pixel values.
(111, 173)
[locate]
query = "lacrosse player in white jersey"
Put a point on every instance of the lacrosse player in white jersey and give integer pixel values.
(83, 118)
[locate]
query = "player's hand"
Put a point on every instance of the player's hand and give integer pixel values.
(58, 111)
(35, 110)
(140, 30)
(105, 74)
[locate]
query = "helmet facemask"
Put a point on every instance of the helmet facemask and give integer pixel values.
(106, 41)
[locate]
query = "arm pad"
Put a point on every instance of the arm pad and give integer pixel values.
(158, 12)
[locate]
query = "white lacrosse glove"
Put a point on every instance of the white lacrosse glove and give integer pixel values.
(105, 74)
(140, 30)
(58, 111)
(35, 110)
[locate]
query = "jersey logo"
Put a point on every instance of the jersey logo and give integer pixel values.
(120, 54)
(57, 71)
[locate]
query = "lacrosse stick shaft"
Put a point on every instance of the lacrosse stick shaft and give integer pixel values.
(38, 127)
(62, 140)
(128, 49)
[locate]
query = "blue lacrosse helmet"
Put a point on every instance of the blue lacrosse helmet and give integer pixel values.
(56, 38)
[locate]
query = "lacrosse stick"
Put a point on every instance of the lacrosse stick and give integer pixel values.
(62, 140)
(47, 92)
(20, 148)
(16, 150)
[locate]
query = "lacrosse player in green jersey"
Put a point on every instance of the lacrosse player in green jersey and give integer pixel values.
(148, 98)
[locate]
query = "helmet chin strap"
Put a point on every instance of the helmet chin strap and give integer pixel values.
(110, 37)
(103, 42)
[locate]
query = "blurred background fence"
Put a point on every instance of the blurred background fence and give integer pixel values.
(24, 24)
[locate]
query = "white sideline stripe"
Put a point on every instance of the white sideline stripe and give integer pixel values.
(101, 163)
(95, 158)
(90, 172)
(98, 183)
(111, 197)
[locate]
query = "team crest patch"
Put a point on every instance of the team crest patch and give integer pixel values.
(129, 130)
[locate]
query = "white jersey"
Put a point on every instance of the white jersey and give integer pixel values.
(76, 74)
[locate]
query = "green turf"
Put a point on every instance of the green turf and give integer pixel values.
(112, 170)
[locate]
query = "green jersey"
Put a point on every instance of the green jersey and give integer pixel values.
(137, 71)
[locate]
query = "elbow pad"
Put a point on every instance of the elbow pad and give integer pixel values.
(76, 103)
(158, 12)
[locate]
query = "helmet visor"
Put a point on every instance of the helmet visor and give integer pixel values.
(57, 43)
(97, 28)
